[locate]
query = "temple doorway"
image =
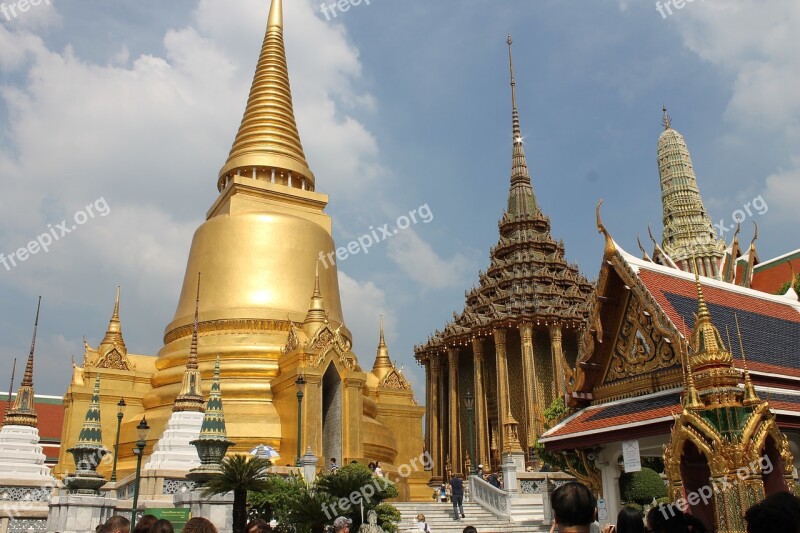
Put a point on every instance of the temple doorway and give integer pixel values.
(772, 468)
(696, 474)
(332, 415)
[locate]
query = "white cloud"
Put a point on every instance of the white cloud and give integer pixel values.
(420, 261)
(363, 303)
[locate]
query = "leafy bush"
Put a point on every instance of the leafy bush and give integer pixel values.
(641, 487)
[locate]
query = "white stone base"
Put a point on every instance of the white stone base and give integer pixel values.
(218, 509)
(22, 455)
(78, 513)
(173, 451)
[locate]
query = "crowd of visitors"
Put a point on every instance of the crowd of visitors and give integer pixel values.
(150, 524)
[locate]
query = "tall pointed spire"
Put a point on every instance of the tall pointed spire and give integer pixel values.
(382, 364)
(23, 412)
(214, 420)
(114, 331)
(213, 443)
(521, 199)
(687, 226)
(707, 344)
(268, 139)
(750, 396)
(191, 395)
(112, 352)
(316, 315)
(88, 452)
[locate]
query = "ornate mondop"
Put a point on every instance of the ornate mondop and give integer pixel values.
(23, 412)
(688, 229)
(528, 279)
(191, 396)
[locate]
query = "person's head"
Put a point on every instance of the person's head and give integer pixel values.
(777, 513)
(469, 529)
(258, 525)
(666, 518)
(117, 524)
(573, 505)
(371, 465)
(630, 520)
(420, 517)
(333, 460)
(198, 524)
(342, 523)
(162, 525)
(144, 524)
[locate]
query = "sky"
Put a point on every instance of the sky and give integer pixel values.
(117, 116)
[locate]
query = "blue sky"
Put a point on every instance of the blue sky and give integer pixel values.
(399, 104)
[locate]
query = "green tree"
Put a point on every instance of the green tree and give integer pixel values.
(276, 501)
(357, 479)
(785, 286)
(240, 474)
(641, 487)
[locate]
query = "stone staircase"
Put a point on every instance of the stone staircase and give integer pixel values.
(439, 517)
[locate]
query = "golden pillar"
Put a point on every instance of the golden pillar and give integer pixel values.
(455, 441)
(427, 435)
(509, 441)
(481, 423)
(433, 411)
(530, 388)
(559, 363)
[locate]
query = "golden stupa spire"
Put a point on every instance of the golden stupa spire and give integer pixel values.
(707, 344)
(521, 200)
(382, 362)
(191, 395)
(750, 396)
(23, 412)
(268, 142)
(113, 335)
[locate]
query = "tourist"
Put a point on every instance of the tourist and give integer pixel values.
(422, 525)
(493, 480)
(198, 524)
(378, 469)
(371, 467)
(777, 513)
(480, 473)
(116, 524)
(162, 525)
(342, 524)
(666, 519)
(144, 524)
(258, 525)
(334, 467)
(629, 520)
(457, 496)
(443, 493)
(574, 508)
(470, 529)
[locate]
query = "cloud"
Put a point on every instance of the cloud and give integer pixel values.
(363, 303)
(419, 261)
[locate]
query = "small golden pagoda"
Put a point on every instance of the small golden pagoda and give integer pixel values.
(726, 451)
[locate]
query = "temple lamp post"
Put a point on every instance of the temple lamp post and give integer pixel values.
(301, 385)
(141, 433)
(470, 401)
(120, 412)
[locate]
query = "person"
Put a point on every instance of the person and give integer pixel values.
(777, 513)
(144, 524)
(378, 469)
(162, 525)
(470, 529)
(480, 473)
(422, 525)
(665, 518)
(334, 467)
(371, 467)
(493, 481)
(198, 524)
(257, 525)
(116, 524)
(574, 508)
(457, 496)
(443, 493)
(342, 524)
(629, 520)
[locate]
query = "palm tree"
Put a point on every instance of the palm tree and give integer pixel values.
(240, 474)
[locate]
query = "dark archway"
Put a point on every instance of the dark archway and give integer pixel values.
(332, 415)
(772, 468)
(696, 475)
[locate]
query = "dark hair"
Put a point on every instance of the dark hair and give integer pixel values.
(333, 459)
(260, 525)
(667, 518)
(630, 520)
(144, 524)
(777, 513)
(199, 524)
(162, 525)
(470, 529)
(115, 523)
(573, 504)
